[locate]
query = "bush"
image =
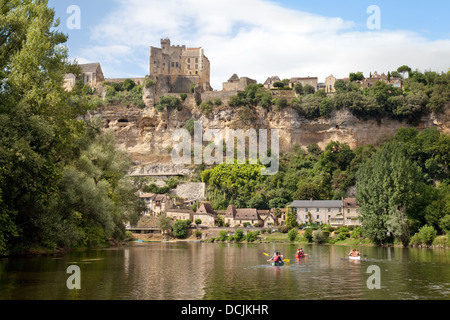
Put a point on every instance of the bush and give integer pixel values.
(415, 240)
(292, 234)
(356, 233)
(206, 107)
(318, 236)
(180, 229)
(427, 234)
(183, 96)
(169, 102)
(128, 85)
(149, 83)
(252, 236)
(308, 234)
(223, 236)
(197, 234)
(239, 235)
(444, 223)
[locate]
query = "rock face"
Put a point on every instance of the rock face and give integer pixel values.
(146, 134)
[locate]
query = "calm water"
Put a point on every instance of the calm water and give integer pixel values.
(203, 271)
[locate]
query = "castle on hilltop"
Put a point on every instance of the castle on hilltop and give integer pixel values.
(183, 66)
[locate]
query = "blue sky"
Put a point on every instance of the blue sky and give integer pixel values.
(260, 38)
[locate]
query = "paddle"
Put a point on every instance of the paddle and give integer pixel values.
(284, 260)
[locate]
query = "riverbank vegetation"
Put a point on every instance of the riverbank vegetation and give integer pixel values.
(63, 183)
(402, 184)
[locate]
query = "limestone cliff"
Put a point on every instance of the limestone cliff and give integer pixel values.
(146, 134)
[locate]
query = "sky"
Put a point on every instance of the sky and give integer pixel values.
(261, 38)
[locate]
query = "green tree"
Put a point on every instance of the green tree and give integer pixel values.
(180, 229)
(291, 218)
(386, 189)
(164, 223)
(292, 234)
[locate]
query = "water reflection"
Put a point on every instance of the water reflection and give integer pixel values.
(195, 271)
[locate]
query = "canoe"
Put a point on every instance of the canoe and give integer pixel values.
(355, 258)
(277, 264)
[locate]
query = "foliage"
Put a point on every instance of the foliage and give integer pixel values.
(387, 185)
(180, 229)
(239, 235)
(426, 235)
(223, 236)
(251, 236)
(168, 103)
(164, 223)
(319, 237)
(292, 234)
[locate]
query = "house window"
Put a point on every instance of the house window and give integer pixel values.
(196, 66)
(176, 64)
(196, 60)
(318, 210)
(173, 64)
(306, 217)
(348, 211)
(88, 79)
(189, 60)
(317, 217)
(189, 66)
(306, 210)
(329, 209)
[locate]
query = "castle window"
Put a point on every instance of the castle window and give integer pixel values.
(196, 60)
(189, 60)
(196, 66)
(189, 66)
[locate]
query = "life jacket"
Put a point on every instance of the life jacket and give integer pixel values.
(300, 254)
(277, 259)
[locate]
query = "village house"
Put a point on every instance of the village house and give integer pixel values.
(91, 74)
(312, 81)
(237, 84)
(319, 211)
(351, 212)
(268, 84)
(180, 214)
(329, 84)
(206, 214)
(156, 204)
(238, 217)
(337, 213)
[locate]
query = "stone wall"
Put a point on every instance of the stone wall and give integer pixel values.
(191, 191)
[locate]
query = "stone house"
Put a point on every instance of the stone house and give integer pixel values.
(237, 84)
(91, 73)
(312, 81)
(237, 217)
(268, 84)
(319, 211)
(206, 213)
(329, 84)
(180, 214)
(156, 203)
(351, 212)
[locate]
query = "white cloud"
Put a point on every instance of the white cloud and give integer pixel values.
(257, 38)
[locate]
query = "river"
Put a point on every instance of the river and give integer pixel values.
(214, 271)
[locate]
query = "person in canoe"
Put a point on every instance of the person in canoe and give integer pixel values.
(300, 253)
(354, 253)
(277, 258)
